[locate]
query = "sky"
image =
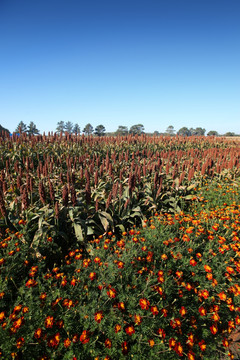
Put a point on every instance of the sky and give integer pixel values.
(120, 62)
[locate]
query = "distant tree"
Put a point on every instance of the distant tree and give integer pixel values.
(170, 130)
(100, 130)
(156, 133)
(184, 131)
(2, 130)
(136, 129)
(32, 129)
(198, 131)
(88, 129)
(76, 129)
(69, 127)
(60, 127)
(229, 133)
(122, 130)
(212, 133)
(21, 128)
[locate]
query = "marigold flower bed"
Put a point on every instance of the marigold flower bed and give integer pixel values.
(170, 290)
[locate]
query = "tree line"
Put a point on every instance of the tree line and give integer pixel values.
(100, 130)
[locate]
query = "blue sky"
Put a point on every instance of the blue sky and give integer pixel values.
(121, 62)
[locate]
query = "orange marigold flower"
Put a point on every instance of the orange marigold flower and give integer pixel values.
(175, 323)
(172, 342)
(186, 238)
(209, 276)
(237, 320)
(188, 287)
(178, 349)
(49, 321)
(67, 343)
(215, 317)
(75, 338)
(38, 333)
(208, 268)
(2, 316)
(20, 342)
(64, 282)
(60, 324)
(160, 279)
(33, 271)
(164, 312)
(130, 330)
(121, 306)
(151, 342)
(205, 294)
(189, 230)
(117, 328)
(202, 345)
(31, 283)
(112, 293)
(67, 303)
(120, 265)
(183, 311)
(92, 276)
(214, 282)
(230, 270)
(54, 340)
(137, 319)
(190, 340)
(125, 348)
(214, 329)
(231, 326)
(108, 343)
(193, 262)
(222, 296)
(98, 316)
(164, 257)
(17, 309)
(86, 262)
(202, 311)
(74, 281)
(18, 323)
(121, 243)
(154, 310)
(144, 303)
(225, 342)
(84, 338)
(159, 290)
(179, 274)
(161, 333)
(190, 355)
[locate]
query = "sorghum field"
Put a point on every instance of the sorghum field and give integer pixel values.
(119, 247)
